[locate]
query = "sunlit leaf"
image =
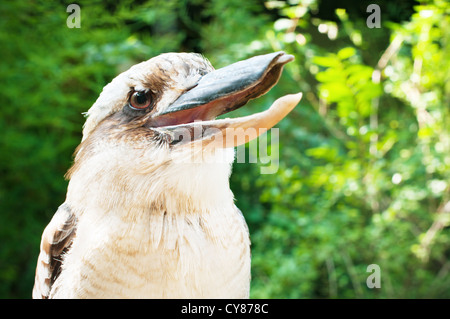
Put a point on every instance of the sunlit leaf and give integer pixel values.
(346, 53)
(327, 61)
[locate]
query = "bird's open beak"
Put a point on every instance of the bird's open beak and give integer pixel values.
(191, 118)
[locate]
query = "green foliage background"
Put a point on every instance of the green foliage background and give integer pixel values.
(364, 159)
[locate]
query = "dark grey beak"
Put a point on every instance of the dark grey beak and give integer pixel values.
(225, 90)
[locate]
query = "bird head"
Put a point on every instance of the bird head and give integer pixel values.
(156, 112)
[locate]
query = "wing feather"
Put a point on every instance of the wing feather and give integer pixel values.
(56, 240)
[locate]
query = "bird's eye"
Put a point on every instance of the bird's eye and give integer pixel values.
(140, 100)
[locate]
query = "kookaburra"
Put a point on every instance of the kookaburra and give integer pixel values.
(149, 212)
